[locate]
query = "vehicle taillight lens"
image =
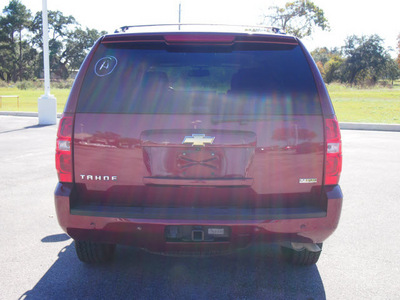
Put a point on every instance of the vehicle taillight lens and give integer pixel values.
(333, 162)
(63, 149)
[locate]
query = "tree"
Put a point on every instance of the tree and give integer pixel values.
(68, 43)
(365, 59)
(21, 43)
(299, 18)
(7, 54)
(392, 70)
(321, 55)
(78, 45)
(14, 49)
(321, 68)
(329, 63)
(60, 27)
(333, 69)
(398, 49)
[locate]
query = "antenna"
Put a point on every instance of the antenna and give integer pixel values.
(180, 10)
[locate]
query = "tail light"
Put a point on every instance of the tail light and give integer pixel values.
(63, 149)
(333, 161)
(200, 38)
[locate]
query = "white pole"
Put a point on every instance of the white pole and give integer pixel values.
(47, 104)
(46, 49)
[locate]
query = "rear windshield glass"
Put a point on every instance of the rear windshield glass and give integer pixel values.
(132, 79)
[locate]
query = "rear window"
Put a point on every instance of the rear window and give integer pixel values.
(132, 78)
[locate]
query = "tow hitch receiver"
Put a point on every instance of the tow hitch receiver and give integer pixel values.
(196, 233)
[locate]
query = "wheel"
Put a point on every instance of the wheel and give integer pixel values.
(91, 252)
(301, 258)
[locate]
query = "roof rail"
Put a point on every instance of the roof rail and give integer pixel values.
(246, 28)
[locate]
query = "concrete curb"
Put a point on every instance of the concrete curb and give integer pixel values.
(370, 126)
(22, 114)
(344, 126)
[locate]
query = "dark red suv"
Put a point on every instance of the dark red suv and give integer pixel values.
(187, 142)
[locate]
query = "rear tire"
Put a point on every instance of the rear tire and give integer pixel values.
(91, 252)
(301, 258)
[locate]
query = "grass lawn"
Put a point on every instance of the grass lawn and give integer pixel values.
(375, 105)
(28, 99)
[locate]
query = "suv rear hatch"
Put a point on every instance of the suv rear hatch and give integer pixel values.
(212, 121)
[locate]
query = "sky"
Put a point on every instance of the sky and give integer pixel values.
(346, 17)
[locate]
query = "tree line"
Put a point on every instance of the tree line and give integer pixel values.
(21, 43)
(361, 61)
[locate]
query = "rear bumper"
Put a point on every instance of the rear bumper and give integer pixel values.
(145, 227)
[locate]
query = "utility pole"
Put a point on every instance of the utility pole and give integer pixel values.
(47, 103)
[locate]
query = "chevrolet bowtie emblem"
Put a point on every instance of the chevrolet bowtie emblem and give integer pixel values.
(198, 139)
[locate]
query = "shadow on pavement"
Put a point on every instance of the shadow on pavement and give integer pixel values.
(24, 128)
(56, 238)
(254, 273)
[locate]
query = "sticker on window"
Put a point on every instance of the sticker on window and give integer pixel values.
(105, 66)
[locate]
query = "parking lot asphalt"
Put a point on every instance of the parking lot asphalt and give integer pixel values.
(38, 261)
